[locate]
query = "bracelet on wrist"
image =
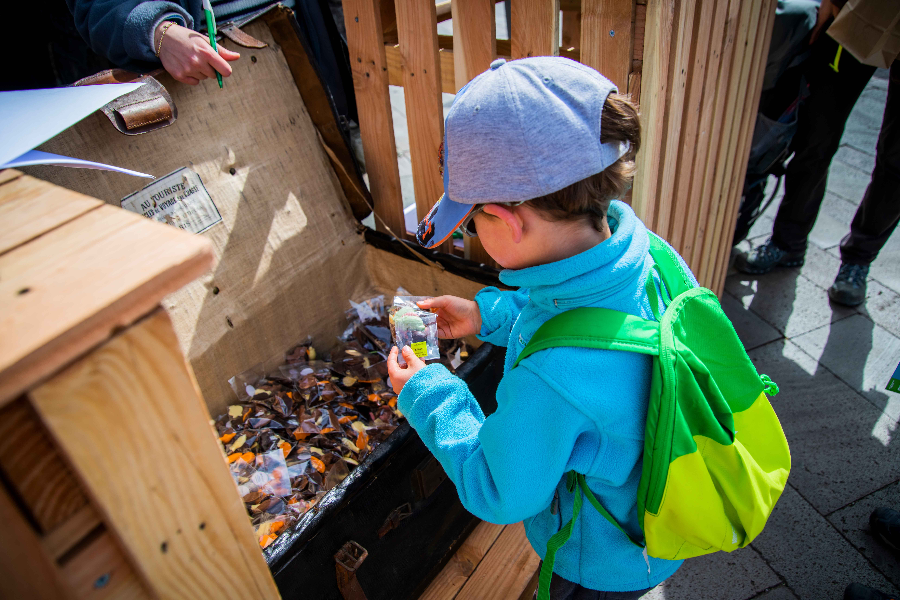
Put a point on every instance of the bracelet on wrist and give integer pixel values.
(162, 35)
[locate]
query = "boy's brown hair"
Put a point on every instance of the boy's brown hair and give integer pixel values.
(589, 198)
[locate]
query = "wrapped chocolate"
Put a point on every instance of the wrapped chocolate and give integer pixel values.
(414, 327)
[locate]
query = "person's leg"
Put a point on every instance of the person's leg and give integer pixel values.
(821, 122)
(820, 125)
(877, 215)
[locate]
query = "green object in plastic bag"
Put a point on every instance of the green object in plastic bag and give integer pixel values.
(715, 457)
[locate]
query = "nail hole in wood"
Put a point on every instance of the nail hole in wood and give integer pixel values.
(164, 547)
(253, 59)
(215, 291)
(232, 170)
(228, 320)
(24, 291)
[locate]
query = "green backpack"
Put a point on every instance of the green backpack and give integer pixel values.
(715, 456)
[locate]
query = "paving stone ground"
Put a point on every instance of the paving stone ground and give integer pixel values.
(832, 364)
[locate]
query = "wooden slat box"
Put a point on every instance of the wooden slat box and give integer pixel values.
(112, 478)
(290, 253)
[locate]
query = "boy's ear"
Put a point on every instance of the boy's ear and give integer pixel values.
(510, 217)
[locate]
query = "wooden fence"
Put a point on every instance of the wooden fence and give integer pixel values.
(695, 66)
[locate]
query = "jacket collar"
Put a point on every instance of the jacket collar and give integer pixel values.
(593, 275)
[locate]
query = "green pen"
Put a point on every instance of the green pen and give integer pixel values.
(211, 30)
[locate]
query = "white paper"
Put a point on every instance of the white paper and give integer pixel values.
(28, 118)
(36, 157)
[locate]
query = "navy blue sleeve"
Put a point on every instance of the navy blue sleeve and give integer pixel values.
(122, 31)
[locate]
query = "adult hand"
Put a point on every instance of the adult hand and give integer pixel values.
(187, 55)
(456, 317)
(400, 375)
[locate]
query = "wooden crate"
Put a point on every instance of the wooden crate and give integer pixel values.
(290, 253)
(695, 67)
(113, 482)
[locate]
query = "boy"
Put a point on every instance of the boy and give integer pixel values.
(535, 150)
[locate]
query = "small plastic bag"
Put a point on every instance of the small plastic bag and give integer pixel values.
(268, 473)
(411, 326)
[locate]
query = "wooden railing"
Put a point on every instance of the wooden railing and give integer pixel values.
(694, 65)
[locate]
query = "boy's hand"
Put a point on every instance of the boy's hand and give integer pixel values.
(456, 317)
(400, 375)
(188, 57)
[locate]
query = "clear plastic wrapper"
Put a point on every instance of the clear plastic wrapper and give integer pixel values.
(298, 430)
(414, 327)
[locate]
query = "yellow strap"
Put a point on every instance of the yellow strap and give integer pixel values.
(837, 59)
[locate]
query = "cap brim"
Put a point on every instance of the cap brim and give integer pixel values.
(442, 220)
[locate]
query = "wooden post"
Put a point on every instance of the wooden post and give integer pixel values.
(740, 71)
(693, 135)
(535, 28)
(112, 414)
(606, 38)
(417, 30)
(763, 34)
(474, 48)
(365, 41)
(654, 116)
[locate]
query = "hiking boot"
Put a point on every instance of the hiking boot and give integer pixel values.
(885, 526)
(763, 259)
(857, 591)
(849, 287)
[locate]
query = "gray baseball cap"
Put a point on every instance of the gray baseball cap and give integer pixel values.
(521, 130)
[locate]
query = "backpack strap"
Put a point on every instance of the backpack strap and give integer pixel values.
(601, 328)
(576, 483)
(668, 266)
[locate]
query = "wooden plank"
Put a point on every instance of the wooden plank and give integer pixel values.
(730, 81)
(506, 570)
(7, 175)
(720, 94)
(394, 59)
(634, 86)
(751, 105)
(443, 11)
(640, 24)
(29, 207)
(34, 469)
(25, 569)
(395, 68)
(571, 30)
(654, 91)
(131, 407)
(40, 333)
(692, 135)
(474, 38)
(417, 30)
(99, 569)
(535, 28)
(678, 79)
(457, 572)
(365, 42)
(69, 533)
(606, 38)
(739, 77)
(474, 48)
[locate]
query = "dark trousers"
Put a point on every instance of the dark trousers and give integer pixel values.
(821, 122)
(563, 589)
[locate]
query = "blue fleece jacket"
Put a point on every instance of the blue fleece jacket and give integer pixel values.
(561, 409)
